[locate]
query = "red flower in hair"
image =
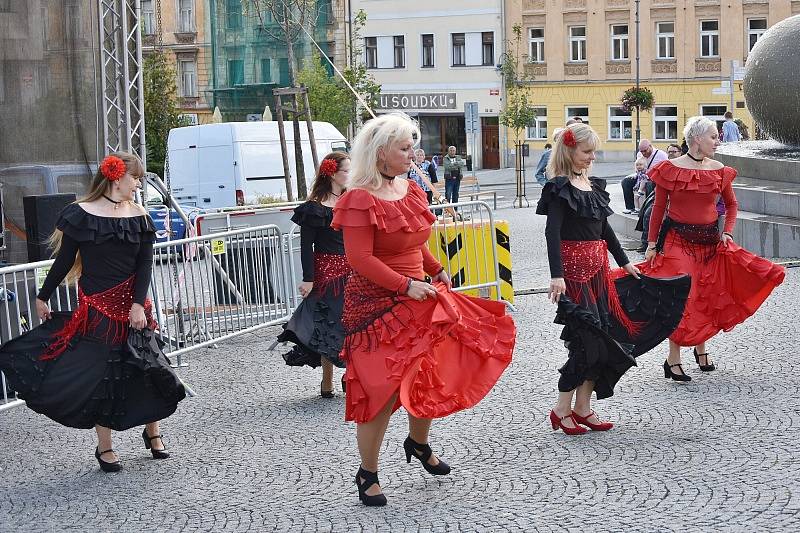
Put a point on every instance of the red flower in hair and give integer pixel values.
(113, 168)
(569, 138)
(328, 167)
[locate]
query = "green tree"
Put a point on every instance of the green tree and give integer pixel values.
(161, 112)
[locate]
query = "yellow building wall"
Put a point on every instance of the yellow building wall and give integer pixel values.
(687, 95)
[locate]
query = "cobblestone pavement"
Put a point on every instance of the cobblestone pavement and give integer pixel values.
(258, 449)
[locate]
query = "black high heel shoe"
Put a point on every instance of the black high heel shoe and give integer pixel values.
(370, 478)
(705, 368)
(423, 452)
(325, 393)
(115, 466)
(157, 454)
(668, 373)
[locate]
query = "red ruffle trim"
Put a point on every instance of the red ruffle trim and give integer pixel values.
(443, 355)
(725, 291)
(357, 207)
(673, 178)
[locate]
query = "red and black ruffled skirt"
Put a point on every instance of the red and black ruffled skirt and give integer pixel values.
(610, 318)
(729, 283)
(439, 355)
(315, 328)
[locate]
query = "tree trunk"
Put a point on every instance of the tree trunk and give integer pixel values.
(300, 173)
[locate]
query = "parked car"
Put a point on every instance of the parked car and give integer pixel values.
(158, 212)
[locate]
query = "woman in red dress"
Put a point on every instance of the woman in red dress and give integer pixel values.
(409, 343)
(728, 282)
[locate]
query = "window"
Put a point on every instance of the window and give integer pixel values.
(371, 51)
(189, 119)
(283, 72)
(577, 43)
(487, 48)
(619, 42)
(536, 45)
(755, 29)
(233, 11)
(186, 15)
(5, 6)
(715, 112)
(538, 128)
(148, 18)
(709, 38)
(399, 51)
(582, 112)
(459, 50)
(188, 73)
(428, 60)
(266, 71)
(619, 124)
(665, 40)
(666, 123)
(235, 72)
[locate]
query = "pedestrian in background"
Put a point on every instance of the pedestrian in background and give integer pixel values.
(429, 167)
(601, 335)
(315, 328)
(730, 131)
(653, 156)
(541, 176)
(454, 167)
(643, 224)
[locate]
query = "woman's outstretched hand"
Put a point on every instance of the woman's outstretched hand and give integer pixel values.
(557, 288)
(136, 317)
(631, 269)
(444, 278)
(419, 290)
(42, 310)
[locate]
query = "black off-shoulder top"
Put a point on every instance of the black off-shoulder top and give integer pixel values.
(316, 234)
(576, 215)
(111, 250)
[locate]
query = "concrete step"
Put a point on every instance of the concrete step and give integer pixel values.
(772, 198)
(764, 235)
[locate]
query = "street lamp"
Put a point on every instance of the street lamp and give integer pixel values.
(638, 130)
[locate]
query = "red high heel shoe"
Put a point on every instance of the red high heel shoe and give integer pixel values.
(584, 420)
(555, 421)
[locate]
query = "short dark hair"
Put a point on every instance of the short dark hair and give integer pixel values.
(728, 114)
(548, 146)
(673, 145)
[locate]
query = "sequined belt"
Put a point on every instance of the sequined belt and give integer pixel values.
(114, 304)
(704, 235)
(330, 272)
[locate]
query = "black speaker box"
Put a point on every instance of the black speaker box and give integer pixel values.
(41, 215)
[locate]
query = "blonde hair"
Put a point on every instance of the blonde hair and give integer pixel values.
(696, 127)
(97, 188)
(641, 160)
(560, 163)
(379, 133)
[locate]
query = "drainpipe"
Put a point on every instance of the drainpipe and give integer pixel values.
(504, 151)
(213, 9)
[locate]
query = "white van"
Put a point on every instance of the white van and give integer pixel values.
(235, 163)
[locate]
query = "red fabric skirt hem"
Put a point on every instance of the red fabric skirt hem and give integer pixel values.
(439, 356)
(725, 290)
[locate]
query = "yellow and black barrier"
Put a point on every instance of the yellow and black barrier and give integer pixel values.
(468, 254)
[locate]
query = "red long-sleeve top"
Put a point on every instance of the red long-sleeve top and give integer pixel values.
(692, 196)
(385, 240)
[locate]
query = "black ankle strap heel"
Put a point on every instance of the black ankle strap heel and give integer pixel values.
(157, 454)
(705, 368)
(423, 452)
(370, 478)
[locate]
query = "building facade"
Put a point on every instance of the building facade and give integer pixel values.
(180, 29)
(432, 58)
(581, 57)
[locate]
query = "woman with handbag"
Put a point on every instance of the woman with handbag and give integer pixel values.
(81, 369)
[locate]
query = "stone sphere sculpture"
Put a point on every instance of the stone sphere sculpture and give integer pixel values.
(772, 81)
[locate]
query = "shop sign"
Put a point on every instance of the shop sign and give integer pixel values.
(418, 101)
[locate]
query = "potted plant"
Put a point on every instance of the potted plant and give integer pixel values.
(640, 98)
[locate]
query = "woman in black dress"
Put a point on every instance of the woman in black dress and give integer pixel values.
(83, 369)
(607, 321)
(315, 327)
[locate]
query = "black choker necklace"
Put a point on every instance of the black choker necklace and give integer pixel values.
(115, 202)
(578, 174)
(693, 158)
(390, 178)
(336, 195)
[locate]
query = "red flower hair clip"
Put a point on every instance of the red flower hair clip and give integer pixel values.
(113, 168)
(568, 138)
(328, 167)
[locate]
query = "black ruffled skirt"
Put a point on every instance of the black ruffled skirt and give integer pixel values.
(92, 383)
(600, 348)
(316, 330)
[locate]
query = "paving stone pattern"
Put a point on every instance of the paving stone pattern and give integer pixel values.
(259, 450)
